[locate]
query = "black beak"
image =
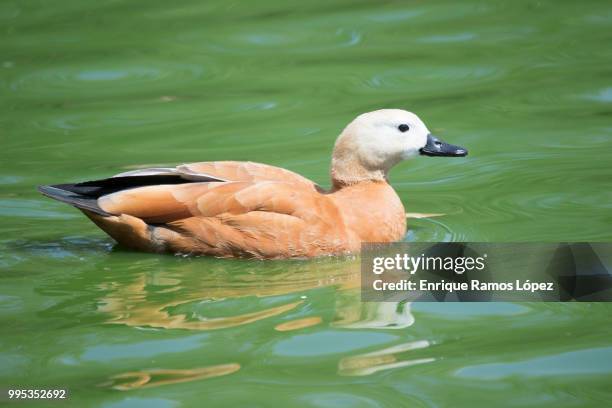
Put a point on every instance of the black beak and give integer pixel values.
(436, 147)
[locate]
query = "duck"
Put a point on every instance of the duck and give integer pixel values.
(235, 209)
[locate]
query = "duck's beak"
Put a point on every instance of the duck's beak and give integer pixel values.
(436, 147)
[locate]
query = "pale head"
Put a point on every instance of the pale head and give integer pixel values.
(376, 141)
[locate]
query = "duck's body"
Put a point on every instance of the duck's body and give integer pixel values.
(244, 209)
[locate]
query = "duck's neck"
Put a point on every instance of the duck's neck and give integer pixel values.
(348, 170)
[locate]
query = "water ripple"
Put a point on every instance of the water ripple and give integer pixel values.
(431, 79)
(297, 41)
(450, 38)
(33, 209)
(603, 95)
(106, 79)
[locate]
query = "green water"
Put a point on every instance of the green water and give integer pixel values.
(89, 89)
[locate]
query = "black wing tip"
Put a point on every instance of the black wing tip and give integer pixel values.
(79, 201)
(51, 191)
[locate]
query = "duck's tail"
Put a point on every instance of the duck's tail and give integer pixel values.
(128, 231)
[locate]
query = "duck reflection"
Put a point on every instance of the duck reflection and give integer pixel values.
(209, 294)
(204, 294)
(131, 306)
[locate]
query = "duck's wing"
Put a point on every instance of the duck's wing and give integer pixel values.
(262, 219)
(85, 195)
(225, 171)
(167, 203)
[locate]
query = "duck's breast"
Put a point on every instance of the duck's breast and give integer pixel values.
(373, 211)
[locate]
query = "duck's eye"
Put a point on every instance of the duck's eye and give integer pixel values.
(403, 127)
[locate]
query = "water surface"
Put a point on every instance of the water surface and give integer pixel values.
(89, 90)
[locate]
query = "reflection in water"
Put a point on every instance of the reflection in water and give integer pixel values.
(207, 294)
(373, 315)
(385, 359)
(154, 378)
(298, 324)
(197, 295)
(135, 310)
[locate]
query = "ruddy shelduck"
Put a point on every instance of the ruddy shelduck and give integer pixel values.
(245, 209)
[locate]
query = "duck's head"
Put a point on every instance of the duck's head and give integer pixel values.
(376, 141)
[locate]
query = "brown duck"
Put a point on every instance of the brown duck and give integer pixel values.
(245, 209)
